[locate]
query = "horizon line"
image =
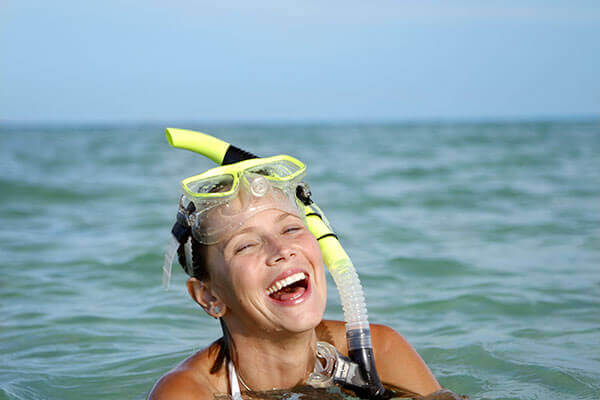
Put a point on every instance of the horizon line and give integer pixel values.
(308, 121)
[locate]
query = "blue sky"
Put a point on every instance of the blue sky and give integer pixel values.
(264, 60)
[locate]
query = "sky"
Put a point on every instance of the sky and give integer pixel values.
(267, 60)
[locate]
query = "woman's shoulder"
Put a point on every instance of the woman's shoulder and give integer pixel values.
(397, 361)
(191, 379)
(179, 385)
(334, 332)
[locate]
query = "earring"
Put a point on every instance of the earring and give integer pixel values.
(216, 309)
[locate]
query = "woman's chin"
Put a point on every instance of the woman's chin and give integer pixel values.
(299, 317)
(306, 318)
(302, 323)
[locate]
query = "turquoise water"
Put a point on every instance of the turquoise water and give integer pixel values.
(479, 242)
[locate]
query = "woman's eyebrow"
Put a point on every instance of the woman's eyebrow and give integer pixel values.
(238, 233)
(247, 229)
(284, 215)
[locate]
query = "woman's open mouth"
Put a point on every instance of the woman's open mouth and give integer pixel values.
(290, 289)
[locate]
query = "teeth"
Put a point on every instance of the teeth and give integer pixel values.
(298, 276)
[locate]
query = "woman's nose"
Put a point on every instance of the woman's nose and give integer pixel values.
(279, 251)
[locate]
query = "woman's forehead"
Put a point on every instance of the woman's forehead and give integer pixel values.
(268, 215)
(233, 216)
(261, 220)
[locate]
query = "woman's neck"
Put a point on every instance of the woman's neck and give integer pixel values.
(265, 363)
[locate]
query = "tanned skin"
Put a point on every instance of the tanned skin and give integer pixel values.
(397, 363)
(274, 335)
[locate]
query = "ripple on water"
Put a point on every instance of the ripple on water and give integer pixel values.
(439, 268)
(517, 376)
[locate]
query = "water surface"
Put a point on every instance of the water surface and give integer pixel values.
(479, 242)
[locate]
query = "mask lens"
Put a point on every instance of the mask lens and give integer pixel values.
(214, 185)
(278, 170)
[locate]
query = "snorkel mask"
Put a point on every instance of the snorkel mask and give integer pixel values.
(245, 185)
(225, 197)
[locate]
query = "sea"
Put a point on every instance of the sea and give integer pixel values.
(479, 241)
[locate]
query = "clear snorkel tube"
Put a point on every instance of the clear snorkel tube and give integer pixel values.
(358, 373)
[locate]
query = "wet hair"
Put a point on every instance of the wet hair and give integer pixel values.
(199, 270)
(199, 267)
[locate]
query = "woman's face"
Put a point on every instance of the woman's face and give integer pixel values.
(269, 273)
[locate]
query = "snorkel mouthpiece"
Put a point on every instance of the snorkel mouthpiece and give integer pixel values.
(365, 382)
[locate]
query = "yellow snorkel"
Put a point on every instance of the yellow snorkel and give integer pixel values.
(217, 150)
(361, 378)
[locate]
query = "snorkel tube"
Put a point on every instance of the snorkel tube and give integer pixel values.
(359, 373)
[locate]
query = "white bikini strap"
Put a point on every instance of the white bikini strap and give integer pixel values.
(233, 382)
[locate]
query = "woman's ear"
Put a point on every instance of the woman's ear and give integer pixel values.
(202, 294)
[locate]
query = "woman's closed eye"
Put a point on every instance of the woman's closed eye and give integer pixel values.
(290, 229)
(244, 246)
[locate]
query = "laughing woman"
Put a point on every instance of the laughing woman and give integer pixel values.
(241, 236)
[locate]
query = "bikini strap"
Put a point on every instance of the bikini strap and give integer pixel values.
(233, 382)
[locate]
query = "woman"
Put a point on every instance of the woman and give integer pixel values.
(255, 266)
